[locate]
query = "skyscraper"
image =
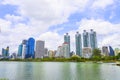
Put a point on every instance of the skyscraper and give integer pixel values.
(5, 52)
(111, 51)
(46, 52)
(40, 49)
(65, 48)
(67, 40)
(24, 48)
(78, 44)
(105, 51)
(85, 39)
(93, 39)
(20, 50)
(31, 44)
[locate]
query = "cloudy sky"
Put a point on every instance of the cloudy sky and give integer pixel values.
(49, 20)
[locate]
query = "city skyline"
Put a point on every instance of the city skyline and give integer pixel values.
(50, 20)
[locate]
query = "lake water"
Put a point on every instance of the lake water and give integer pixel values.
(58, 71)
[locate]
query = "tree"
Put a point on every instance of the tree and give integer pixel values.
(96, 52)
(118, 56)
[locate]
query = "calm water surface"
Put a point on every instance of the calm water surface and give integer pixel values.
(58, 71)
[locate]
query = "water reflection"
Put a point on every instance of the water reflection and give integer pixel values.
(58, 71)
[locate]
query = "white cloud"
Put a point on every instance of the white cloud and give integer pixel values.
(52, 39)
(110, 32)
(102, 3)
(42, 14)
(50, 12)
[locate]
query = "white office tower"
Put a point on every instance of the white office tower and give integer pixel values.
(40, 49)
(65, 48)
(24, 51)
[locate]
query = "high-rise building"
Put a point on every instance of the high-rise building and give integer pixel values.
(65, 48)
(111, 51)
(78, 44)
(85, 39)
(31, 44)
(40, 49)
(67, 40)
(105, 51)
(24, 49)
(93, 39)
(46, 52)
(20, 50)
(5, 52)
(108, 51)
(87, 52)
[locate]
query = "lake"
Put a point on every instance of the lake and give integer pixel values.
(59, 71)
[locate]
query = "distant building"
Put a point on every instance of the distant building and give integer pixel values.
(108, 51)
(24, 48)
(87, 52)
(111, 51)
(20, 50)
(30, 51)
(40, 49)
(60, 52)
(46, 52)
(85, 39)
(105, 51)
(78, 44)
(93, 39)
(5, 52)
(117, 51)
(72, 53)
(51, 53)
(24, 51)
(14, 56)
(67, 40)
(65, 48)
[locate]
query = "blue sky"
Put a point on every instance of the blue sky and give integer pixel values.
(49, 20)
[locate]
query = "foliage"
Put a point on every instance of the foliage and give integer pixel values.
(96, 53)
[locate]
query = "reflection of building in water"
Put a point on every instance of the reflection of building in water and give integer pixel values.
(87, 52)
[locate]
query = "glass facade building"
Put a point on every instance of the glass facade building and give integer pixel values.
(20, 50)
(85, 39)
(93, 39)
(111, 51)
(67, 40)
(5, 52)
(78, 44)
(30, 49)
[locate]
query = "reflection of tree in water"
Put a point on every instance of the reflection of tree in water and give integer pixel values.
(88, 71)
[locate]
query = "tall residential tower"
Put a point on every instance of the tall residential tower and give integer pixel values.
(78, 44)
(93, 39)
(67, 40)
